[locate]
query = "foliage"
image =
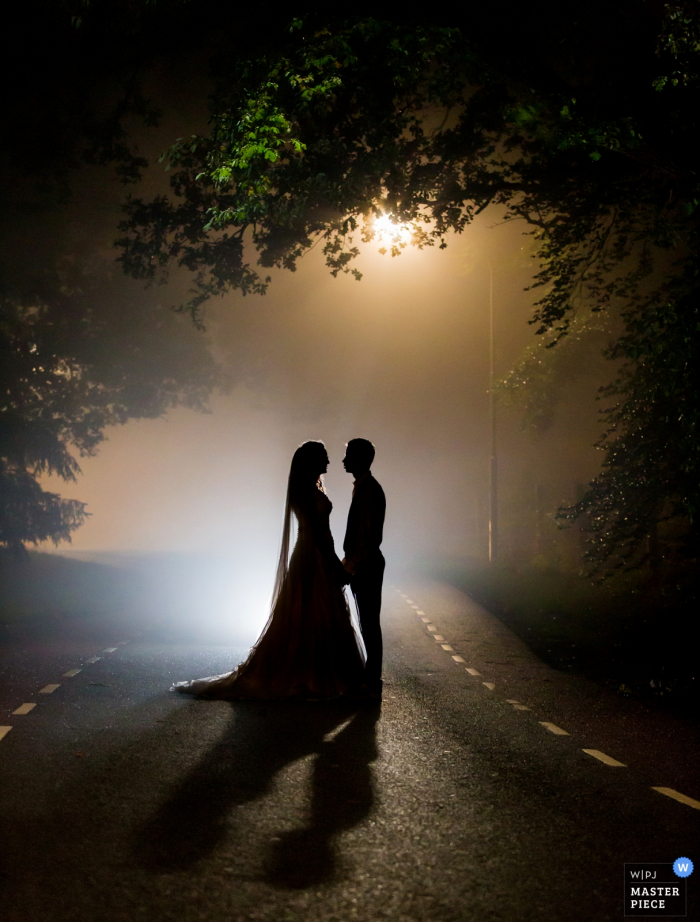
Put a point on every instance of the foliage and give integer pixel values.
(76, 354)
(573, 132)
(70, 369)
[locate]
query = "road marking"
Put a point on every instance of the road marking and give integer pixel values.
(110, 650)
(4, 731)
(425, 620)
(553, 728)
(48, 689)
(472, 671)
(438, 638)
(447, 647)
(24, 709)
(409, 601)
(459, 659)
(489, 685)
(419, 612)
(597, 754)
(71, 673)
(93, 659)
(681, 798)
(521, 707)
(415, 607)
(430, 627)
(512, 701)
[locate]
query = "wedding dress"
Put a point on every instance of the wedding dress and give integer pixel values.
(310, 646)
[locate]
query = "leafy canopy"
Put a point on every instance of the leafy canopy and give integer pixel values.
(586, 133)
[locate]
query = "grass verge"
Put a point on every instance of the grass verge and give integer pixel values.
(632, 633)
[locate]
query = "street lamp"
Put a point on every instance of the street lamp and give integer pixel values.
(493, 463)
(399, 234)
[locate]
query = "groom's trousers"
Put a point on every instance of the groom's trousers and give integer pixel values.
(366, 586)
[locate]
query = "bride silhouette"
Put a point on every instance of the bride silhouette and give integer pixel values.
(309, 647)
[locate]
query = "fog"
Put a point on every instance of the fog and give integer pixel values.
(400, 358)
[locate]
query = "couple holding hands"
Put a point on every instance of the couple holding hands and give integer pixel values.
(310, 648)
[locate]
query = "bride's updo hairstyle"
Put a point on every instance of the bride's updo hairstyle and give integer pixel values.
(305, 473)
(304, 477)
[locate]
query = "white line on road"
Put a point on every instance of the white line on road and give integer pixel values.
(110, 650)
(438, 638)
(4, 731)
(447, 647)
(24, 709)
(521, 707)
(553, 728)
(71, 673)
(512, 701)
(681, 798)
(458, 659)
(48, 689)
(425, 620)
(489, 685)
(419, 612)
(430, 627)
(473, 671)
(597, 754)
(408, 601)
(93, 659)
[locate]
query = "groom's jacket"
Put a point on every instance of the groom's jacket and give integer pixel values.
(365, 524)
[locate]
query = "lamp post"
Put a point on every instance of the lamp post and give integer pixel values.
(493, 462)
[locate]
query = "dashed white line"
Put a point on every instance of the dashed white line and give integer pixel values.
(489, 685)
(408, 601)
(521, 707)
(4, 731)
(110, 650)
(425, 620)
(553, 728)
(93, 659)
(447, 647)
(472, 671)
(512, 701)
(430, 627)
(49, 689)
(608, 760)
(681, 798)
(419, 612)
(23, 709)
(438, 638)
(458, 659)
(71, 673)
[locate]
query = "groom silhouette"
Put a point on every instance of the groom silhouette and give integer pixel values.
(363, 560)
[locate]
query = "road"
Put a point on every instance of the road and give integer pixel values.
(456, 799)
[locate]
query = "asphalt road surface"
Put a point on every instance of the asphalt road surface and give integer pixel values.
(486, 786)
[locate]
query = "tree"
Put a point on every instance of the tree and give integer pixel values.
(78, 352)
(582, 123)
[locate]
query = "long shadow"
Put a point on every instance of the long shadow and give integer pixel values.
(342, 795)
(260, 740)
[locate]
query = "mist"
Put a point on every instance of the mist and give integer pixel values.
(400, 358)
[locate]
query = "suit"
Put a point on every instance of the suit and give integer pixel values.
(365, 562)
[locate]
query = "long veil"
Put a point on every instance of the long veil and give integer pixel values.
(283, 563)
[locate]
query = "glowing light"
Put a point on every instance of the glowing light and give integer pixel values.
(387, 229)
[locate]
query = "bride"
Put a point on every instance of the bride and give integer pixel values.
(309, 647)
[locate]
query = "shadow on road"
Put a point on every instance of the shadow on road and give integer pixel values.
(260, 741)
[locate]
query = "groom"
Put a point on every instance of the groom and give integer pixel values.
(363, 560)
